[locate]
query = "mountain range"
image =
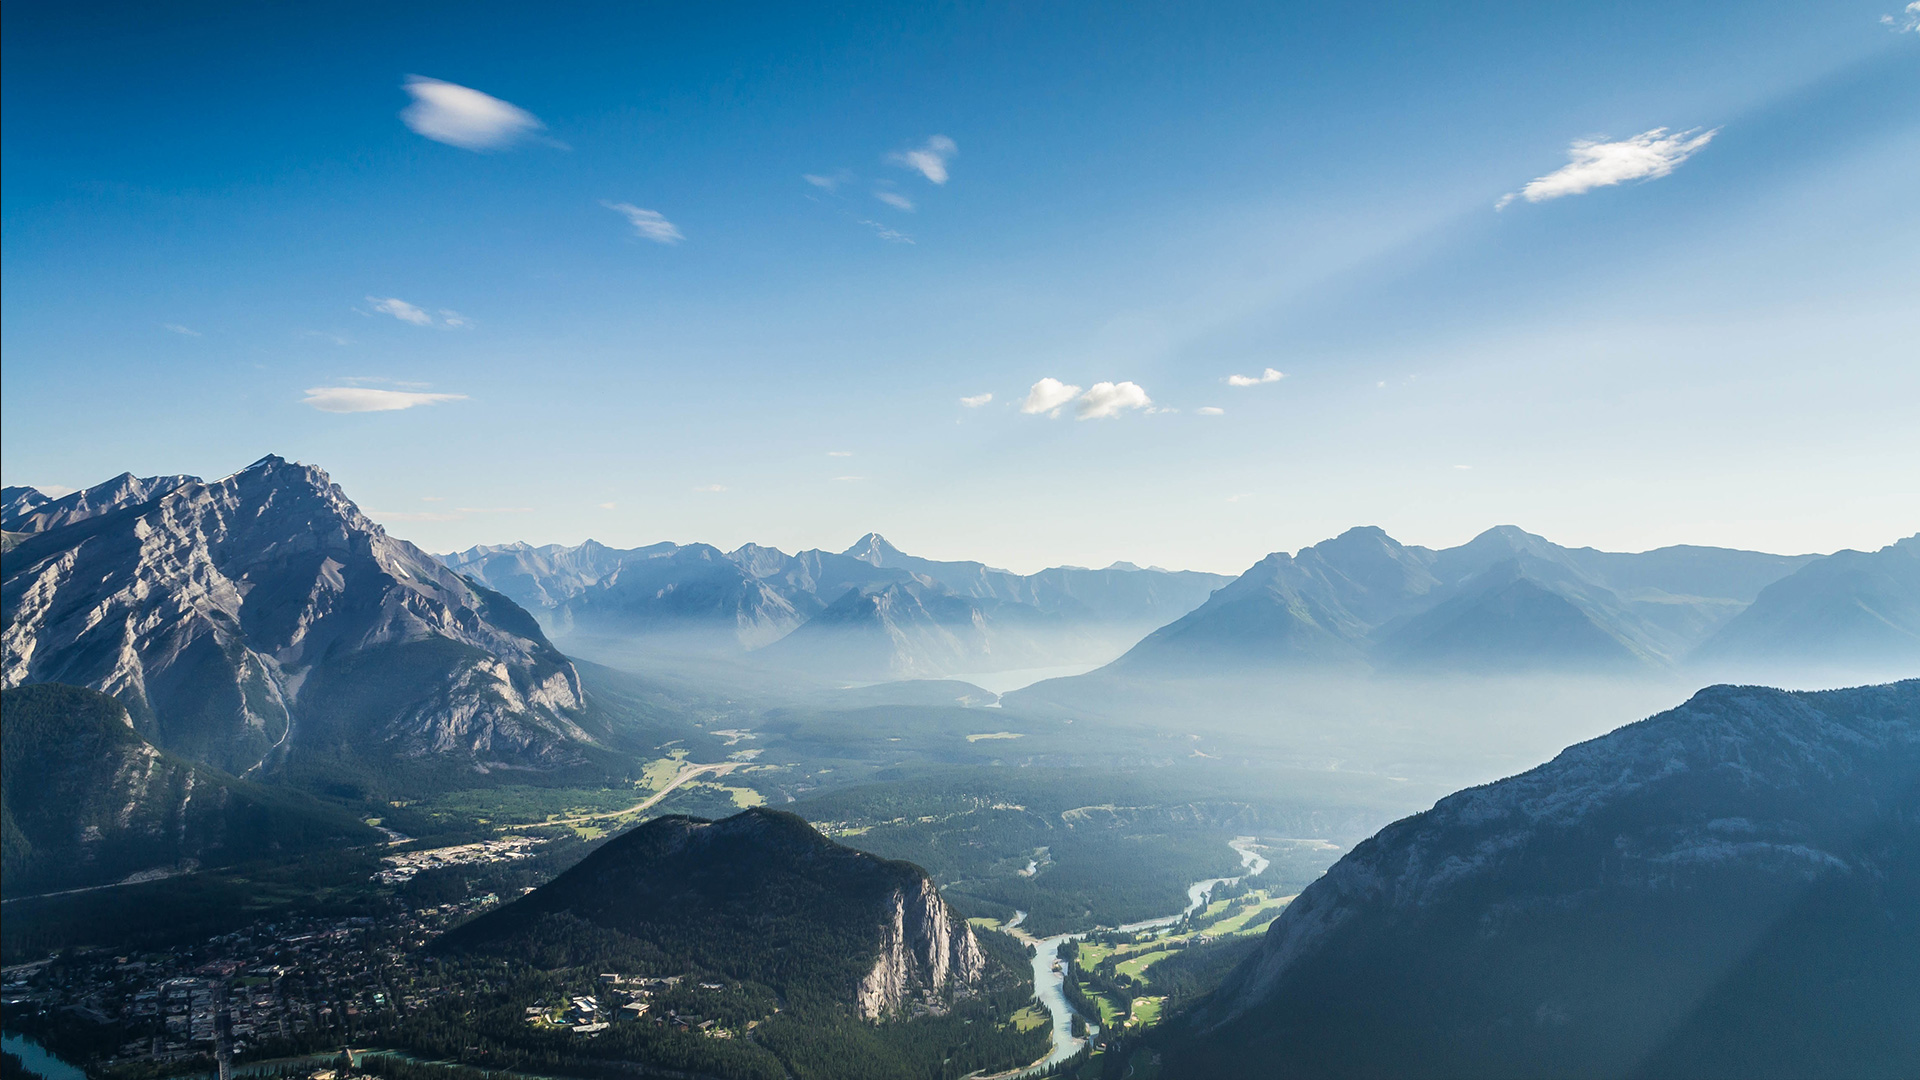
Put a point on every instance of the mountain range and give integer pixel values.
(262, 621)
(87, 801)
(870, 612)
(1727, 889)
(1512, 601)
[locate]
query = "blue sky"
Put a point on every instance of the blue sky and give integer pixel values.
(592, 245)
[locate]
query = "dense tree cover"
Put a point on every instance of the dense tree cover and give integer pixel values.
(86, 800)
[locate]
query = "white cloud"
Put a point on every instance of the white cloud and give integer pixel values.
(839, 453)
(353, 399)
(607, 506)
(1646, 156)
(887, 233)
(1105, 400)
(1908, 22)
(401, 310)
(1242, 495)
(849, 479)
(1210, 410)
(1047, 396)
(711, 487)
(184, 331)
(976, 400)
(1463, 467)
(894, 199)
(930, 160)
(827, 183)
(463, 117)
(651, 224)
(455, 319)
(1266, 376)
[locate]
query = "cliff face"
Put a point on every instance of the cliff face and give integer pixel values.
(926, 953)
(1731, 888)
(250, 619)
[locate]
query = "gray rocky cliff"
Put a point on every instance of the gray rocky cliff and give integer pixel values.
(927, 955)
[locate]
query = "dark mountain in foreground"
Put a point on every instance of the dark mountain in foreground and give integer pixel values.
(760, 897)
(1729, 889)
(263, 619)
(87, 801)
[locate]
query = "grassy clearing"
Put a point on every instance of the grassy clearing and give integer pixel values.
(1033, 1016)
(1138, 965)
(1146, 1010)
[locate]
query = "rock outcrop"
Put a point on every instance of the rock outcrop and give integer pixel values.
(926, 952)
(250, 620)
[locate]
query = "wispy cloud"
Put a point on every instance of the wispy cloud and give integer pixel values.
(1597, 163)
(886, 232)
(1266, 376)
(400, 309)
(1105, 400)
(463, 117)
(976, 400)
(827, 182)
(1463, 468)
(929, 160)
(1907, 22)
(1047, 396)
(1210, 410)
(849, 479)
(184, 331)
(711, 487)
(455, 319)
(608, 505)
(357, 399)
(1241, 495)
(839, 453)
(894, 199)
(650, 224)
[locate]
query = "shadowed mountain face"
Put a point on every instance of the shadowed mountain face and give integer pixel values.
(1505, 601)
(263, 619)
(1728, 889)
(88, 801)
(758, 896)
(871, 611)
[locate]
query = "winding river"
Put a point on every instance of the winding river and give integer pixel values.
(1049, 981)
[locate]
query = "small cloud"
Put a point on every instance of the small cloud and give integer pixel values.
(433, 498)
(1047, 396)
(650, 224)
(184, 331)
(894, 199)
(976, 400)
(930, 160)
(1266, 376)
(884, 232)
(606, 506)
(849, 479)
(356, 399)
(825, 183)
(1242, 495)
(1382, 384)
(711, 487)
(338, 337)
(1463, 467)
(1907, 22)
(1106, 401)
(1210, 410)
(464, 117)
(839, 453)
(455, 319)
(1646, 156)
(401, 310)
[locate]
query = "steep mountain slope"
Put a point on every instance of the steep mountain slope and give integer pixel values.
(1728, 889)
(1852, 608)
(23, 512)
(87, 801)
(263, 619)
(916, 629)
(759, 896)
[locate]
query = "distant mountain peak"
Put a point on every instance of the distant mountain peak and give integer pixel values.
(873, 548)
